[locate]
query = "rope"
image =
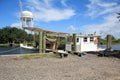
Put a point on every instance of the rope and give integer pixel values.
(9, 50)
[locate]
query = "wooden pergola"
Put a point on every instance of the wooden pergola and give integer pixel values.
(42, 36)
(46, 31)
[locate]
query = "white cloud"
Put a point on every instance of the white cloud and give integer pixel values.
(107, 5)
(17, 25)
(100, 7)
(111, 25)
(107, 12)
(63, 2)
(71, 28)
(45, 10)
(53, 15)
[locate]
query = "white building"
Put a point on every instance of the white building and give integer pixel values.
(84, 43)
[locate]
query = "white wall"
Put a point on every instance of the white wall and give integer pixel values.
(82, 46)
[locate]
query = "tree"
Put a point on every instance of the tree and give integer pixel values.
(29, 38)
(12, 34)
(112, 37)
(101, 40)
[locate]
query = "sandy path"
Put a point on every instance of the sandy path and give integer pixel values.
(70, 68)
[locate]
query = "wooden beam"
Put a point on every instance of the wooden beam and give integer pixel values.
(47, 31)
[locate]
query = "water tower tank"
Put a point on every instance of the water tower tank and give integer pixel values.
(26, 16)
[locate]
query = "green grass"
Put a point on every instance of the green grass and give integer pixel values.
(35, 56)
(4, 45)
(7, 45)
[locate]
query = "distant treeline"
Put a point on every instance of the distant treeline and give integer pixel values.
(114, 40)
(10, 34)
(14, 35)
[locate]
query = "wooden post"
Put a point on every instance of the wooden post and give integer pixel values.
(58, 41)
(40, 42)
(34, 44)
(109, 41)
(74, 42)
(44, 42)
(54, 47)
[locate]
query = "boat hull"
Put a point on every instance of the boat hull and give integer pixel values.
(27, 47)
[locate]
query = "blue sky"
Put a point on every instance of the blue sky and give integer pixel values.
(86, 16)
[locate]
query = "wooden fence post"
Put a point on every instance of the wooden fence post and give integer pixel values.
(74, 42)
(40, 42)
(109, 37)
(44, 42)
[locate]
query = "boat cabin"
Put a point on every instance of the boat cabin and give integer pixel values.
(82, 43)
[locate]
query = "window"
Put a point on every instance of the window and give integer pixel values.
(85, 39)
(77, 39)
(91, 39)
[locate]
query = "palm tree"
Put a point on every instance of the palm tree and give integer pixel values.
(118, 16)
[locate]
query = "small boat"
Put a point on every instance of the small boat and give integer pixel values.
(84, 43)
(100, 49)
(27, 46)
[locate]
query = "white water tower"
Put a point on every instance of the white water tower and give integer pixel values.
(26, 19)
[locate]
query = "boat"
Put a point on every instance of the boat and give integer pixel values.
(27, 46)
(83, 43)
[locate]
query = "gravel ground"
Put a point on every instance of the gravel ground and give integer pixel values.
(70, 68)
